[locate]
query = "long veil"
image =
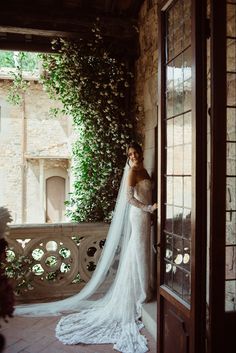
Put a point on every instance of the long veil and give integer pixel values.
(104, 276)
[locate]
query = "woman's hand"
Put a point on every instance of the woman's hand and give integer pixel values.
(154, 207)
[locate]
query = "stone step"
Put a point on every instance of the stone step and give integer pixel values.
(149, 318)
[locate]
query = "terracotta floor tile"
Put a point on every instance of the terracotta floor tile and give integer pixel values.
(37, 335)
(17, 347)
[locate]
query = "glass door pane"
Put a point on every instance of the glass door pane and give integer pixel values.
(178, 126)
(230, 249)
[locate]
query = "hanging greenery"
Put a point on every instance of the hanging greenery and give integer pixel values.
(94, 89)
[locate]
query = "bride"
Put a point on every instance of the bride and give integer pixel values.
(108, 308)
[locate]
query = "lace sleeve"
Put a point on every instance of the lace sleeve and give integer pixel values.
(133, 201)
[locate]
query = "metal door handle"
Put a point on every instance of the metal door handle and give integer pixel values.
(155, 247)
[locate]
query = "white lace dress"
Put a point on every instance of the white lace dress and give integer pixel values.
(116, 317)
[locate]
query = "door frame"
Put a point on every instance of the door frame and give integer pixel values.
(221, 323)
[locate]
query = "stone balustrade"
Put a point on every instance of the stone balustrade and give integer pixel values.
(58, 259)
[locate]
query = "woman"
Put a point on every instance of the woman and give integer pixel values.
(121, 274)
(139, 195)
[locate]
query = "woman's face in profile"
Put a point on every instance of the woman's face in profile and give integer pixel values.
(134, 157)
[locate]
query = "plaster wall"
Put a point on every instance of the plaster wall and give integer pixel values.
(31, 144)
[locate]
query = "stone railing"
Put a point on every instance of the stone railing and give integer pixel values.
(58, 259)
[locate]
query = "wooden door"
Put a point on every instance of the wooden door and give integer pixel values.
(222, 243)
(182, 177)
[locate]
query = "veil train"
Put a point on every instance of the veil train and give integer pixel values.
(106, 269)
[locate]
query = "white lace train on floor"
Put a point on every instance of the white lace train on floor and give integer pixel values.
(116, 317)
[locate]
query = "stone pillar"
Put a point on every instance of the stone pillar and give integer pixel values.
(42, 191)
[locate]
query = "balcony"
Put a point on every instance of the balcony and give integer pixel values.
(59, 259)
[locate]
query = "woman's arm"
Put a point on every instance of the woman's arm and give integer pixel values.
(131, 182)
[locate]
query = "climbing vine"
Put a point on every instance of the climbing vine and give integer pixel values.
(94, 89)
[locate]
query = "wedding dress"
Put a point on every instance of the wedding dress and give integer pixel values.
(115, 316)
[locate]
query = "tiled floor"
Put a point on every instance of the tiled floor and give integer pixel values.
(36, 335)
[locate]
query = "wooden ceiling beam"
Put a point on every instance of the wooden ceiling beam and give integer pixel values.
(36, 47)
(67, 24)
(39, 32)
(20, 42)
(28, 25)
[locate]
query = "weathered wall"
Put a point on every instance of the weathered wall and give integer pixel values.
(146, 80)
(31, 144)
(146, 71)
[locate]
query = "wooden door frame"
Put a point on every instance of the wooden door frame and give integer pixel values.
(197, 313)
(218, 172)
(221, 323)
(199, 242)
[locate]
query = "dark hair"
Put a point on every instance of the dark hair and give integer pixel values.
(137, 148)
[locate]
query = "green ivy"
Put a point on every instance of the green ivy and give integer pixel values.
(94, 89)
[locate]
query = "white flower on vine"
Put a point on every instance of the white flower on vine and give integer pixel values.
(72, 208)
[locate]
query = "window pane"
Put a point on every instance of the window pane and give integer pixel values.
(178, 191)
(231, 89)
(231, 54)
(231, 124)
(178, 215)
(230, 266)
(230, 295)
(186, 223)
(231, 20)
(169, 133)
(169, 190)
(170, 161)
(187, 128)
(169, 219)
(178, 148)
(231, 193)
(187, 159)
(231, 159)
(187, 192)
(230, 225)
(178, 160)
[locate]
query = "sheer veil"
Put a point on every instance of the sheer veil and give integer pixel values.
(100, 286)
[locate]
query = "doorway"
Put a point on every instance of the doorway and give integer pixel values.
(55, 198)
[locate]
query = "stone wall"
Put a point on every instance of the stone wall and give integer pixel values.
(146, 71)
(146, 81)
(33, 146)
